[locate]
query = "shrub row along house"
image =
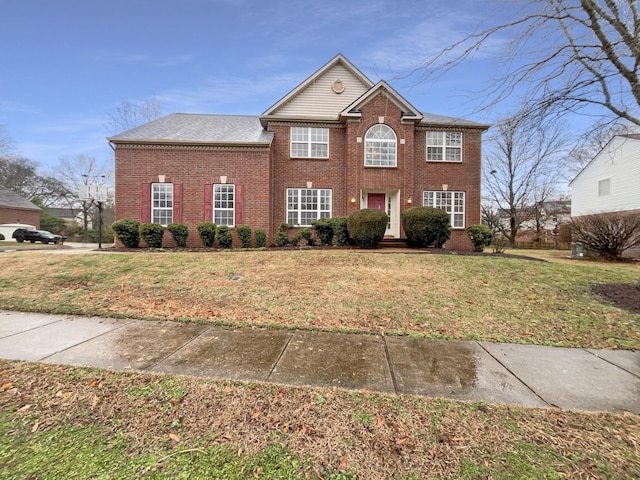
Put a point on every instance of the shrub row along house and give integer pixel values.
(334, 144)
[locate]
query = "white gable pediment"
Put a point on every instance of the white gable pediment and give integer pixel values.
(324, 95)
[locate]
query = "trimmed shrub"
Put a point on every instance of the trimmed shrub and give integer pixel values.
(207, 233)
(152, 233)
(340, 231)
(282, 237)
(303, 234)
(426, 226)
(324, 230)
(366, 227)
(480, 236)
(128, 232)
(261, 238)
(179, 232)
(1, 237)
(244, 234)
(224, 237)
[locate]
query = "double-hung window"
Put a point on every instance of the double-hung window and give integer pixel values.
(380, 147)
(304, 205)
(309, 142)
(444, 146)
(224, 204)
(450, 202)
(162, 203)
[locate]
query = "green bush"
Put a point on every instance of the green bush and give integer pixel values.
(152, 233)
(340, 231)
(324, 230)
(426, 226)
(303, 234)
(1, 237)
(480, 236)
(207, 233)
(179, 232)
(244, 234)
(224, 237)
(367, 226)
(282, 237)
(261, 238)
(127, 231)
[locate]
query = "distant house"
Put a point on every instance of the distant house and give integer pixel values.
(336, 143)
(611, 181)
(16, 210)
(542, 222)
(71, 216)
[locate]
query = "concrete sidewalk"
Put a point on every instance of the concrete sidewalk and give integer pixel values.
(537, 376)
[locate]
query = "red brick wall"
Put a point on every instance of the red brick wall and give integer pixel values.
(18, 215)
(265, 182)
(193, 167)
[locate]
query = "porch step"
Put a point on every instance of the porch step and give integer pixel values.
(393, 243)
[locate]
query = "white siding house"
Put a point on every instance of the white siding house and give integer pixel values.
(611, 181)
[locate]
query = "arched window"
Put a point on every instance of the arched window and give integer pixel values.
(380, 147)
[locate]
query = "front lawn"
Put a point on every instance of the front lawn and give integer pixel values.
(489, 298)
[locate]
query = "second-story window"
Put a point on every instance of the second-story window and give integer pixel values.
(380, 147)
(309, 142)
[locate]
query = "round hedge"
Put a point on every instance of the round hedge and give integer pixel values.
(367, 226)
(426, 226)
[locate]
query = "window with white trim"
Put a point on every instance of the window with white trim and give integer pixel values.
(304, 205)
(162, 203)
(444, 146)
(309, 142)
(380, 147)
(224, 204)
(450, 202)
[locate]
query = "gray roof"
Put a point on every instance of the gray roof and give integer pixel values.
(434, 119)
(10, 199)
(189, 128)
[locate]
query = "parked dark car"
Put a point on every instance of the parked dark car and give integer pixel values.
(33, 236)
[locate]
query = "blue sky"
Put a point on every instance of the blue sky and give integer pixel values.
(67, 64)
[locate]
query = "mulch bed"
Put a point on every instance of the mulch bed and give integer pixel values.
(623, 295)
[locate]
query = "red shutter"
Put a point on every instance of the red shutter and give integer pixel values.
(239, 205)
(145, 203)
(177, 202)
(208, 203)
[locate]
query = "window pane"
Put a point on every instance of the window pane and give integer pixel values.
(162, 203)
(224, 204)
(380, 147)
(308, 142)
(450, 202)
(305, 205)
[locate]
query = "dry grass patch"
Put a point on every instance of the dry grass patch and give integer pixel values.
(167, 425)
(438, 296)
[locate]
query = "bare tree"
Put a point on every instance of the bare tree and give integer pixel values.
(129, 115)
(20, 175)
(81, 170)
(570, 54)
(521, 167)
(6, 142)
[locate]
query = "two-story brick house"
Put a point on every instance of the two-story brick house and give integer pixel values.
(335, 144)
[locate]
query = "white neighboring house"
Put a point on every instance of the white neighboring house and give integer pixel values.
(610, 182)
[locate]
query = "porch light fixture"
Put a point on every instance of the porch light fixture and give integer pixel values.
(353, 199)
(409, 200)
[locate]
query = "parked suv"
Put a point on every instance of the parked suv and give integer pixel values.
(33, 236)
